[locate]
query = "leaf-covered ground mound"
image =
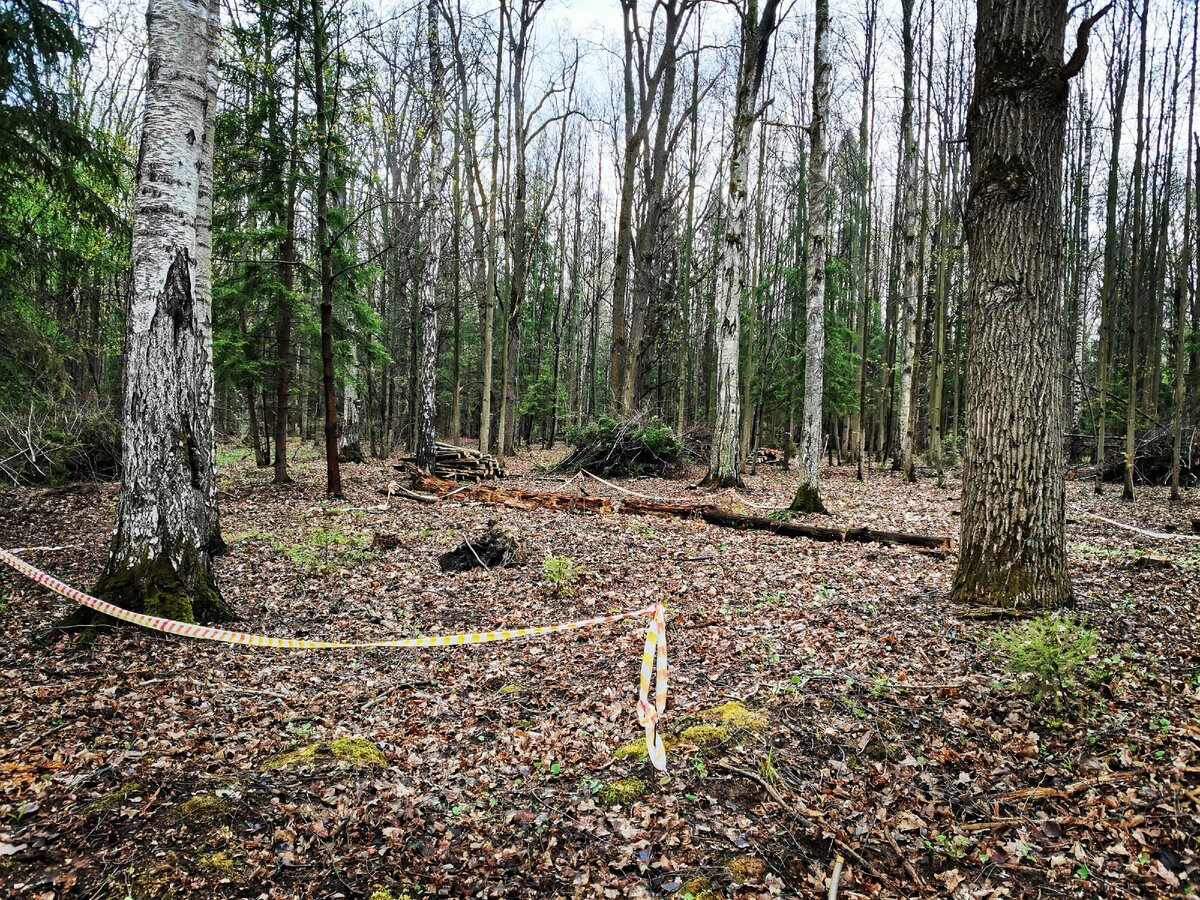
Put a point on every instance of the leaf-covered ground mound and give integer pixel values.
(825, 700)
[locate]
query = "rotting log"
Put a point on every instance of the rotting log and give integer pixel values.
(716, 516)
(517, 498)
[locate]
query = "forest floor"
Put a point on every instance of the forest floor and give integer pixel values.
(864, 715)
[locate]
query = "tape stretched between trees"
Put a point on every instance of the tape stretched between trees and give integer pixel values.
(655, 648)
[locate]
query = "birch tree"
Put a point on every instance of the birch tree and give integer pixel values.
(724, 465)
(167, 528)
(908, 239)
(808, 492)
(427, 384)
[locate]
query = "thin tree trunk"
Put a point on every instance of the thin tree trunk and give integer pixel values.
(1108, 288)
(908, 314)
(808, 493)
(1137, 268)
(724, 467)
(431, 214)
(1183, 276)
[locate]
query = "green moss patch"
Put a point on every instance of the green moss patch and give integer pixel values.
(733, 715)
(114, 799)
(205, 807)
(624, 790)
(637, 749)
(219, 865)
(697, 889)
(705, 735)
(354, 752)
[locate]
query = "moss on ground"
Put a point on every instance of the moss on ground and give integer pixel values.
(205, 807)
(623, 790)
(114, 799)
(355, 752)
(637, 749)
(697, 889)
(151, 883)
(747, 869)
(219, 865)
(733, 715)
(705, 735)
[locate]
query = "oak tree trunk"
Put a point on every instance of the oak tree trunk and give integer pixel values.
(1013, 507)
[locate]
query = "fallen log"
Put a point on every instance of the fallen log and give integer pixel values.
(716, 516)
(518, 498)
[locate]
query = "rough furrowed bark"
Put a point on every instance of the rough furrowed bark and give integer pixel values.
(167, 527)
(1013, 550)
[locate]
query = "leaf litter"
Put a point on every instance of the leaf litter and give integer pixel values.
(884, 727)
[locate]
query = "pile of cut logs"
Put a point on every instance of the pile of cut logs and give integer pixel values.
(459, 463)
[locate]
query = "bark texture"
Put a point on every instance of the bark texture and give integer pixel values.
(724, 465)
(1013, 553)
(427, 385)
(167, 527)
(908, 316)
(808, 492)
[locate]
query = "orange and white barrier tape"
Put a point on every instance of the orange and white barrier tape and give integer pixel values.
(654, 659)
(655, 637)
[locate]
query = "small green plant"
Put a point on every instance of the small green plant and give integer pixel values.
(560, 575)
(950, 847)
(1048, 657)
(766, 768)
(3, 604)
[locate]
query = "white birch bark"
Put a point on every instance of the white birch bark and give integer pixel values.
(167, 522)
(808, 492)
(427, 375)
(724, 465)
(908, 315)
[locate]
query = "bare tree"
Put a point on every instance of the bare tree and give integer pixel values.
(724, 465)
(808, 493)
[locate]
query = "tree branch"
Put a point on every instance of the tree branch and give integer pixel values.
(1079, 57)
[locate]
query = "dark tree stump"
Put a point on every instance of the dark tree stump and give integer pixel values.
(500, 545)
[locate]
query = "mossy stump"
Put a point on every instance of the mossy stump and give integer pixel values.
(808, 500)
(155, 587)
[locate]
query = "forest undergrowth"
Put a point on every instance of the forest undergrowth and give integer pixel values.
(825, 700)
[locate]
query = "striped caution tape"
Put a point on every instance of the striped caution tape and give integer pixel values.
(655, 638)
(654, 661)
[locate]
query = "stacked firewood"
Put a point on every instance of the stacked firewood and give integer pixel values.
(458, 463)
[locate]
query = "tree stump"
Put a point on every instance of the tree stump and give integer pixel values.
(500, 545)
